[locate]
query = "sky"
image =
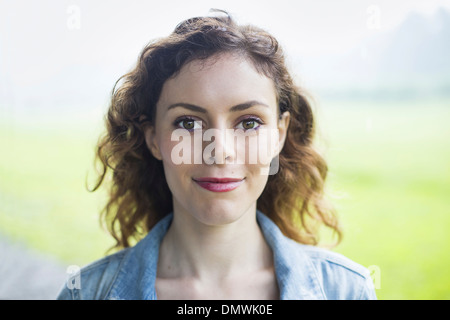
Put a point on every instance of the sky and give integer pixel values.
(42, 40)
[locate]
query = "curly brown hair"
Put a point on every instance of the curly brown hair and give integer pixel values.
(139, 195)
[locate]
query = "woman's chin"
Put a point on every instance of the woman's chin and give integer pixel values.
(217, 215)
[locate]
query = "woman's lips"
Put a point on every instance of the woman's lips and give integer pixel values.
(218, 184)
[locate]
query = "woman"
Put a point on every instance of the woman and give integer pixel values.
(214, 218)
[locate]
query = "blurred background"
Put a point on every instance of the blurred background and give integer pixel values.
(379, 73)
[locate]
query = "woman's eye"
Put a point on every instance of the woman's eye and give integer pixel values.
(248, 124)
(189, 124)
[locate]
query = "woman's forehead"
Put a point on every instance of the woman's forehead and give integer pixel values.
(227, 78)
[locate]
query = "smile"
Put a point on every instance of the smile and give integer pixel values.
(219, 184)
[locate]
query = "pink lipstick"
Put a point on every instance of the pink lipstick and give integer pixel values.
(218, 184)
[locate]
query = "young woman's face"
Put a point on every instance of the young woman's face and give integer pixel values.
(215, 173)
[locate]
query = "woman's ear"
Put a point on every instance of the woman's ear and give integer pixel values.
(283, 125)
(150, 140)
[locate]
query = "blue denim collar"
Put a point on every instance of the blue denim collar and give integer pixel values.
(296, 276)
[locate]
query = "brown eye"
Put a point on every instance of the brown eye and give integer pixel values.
(248, 124)
(188, 124)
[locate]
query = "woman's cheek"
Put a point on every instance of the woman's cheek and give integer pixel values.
(262, 151)
(167, 147)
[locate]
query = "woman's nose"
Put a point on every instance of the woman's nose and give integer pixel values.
(221, 149)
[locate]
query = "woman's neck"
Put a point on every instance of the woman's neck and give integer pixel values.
(192, 249)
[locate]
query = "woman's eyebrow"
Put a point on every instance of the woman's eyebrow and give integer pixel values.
(239, 107)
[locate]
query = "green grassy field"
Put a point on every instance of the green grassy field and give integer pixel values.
(389, 178)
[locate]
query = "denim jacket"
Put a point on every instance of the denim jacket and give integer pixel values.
(302, 271)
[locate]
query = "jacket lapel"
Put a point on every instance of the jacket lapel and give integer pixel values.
(137, 273)
(296, 275)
